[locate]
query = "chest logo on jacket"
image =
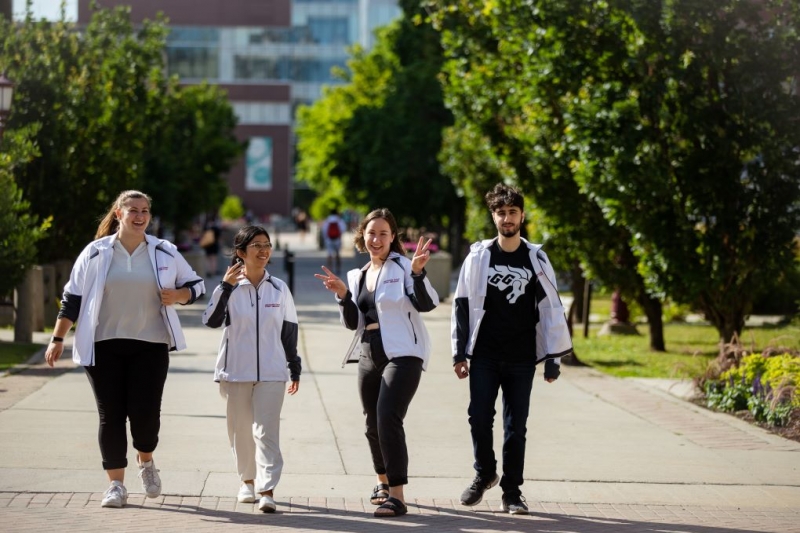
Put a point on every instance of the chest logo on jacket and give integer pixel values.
(271, 305)
(504, 277)
(393, 280)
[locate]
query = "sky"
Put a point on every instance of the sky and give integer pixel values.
(49, 9)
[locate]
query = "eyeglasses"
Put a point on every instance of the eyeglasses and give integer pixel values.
(260, 246)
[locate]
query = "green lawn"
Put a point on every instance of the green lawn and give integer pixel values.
(689, 349)
(12, 353)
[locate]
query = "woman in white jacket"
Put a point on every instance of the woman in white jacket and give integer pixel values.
(121, 294)
(382, 302)
(257, 356)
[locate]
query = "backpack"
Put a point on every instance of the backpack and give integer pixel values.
(334, 231)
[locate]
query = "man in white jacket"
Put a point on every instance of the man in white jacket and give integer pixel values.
(507, 317)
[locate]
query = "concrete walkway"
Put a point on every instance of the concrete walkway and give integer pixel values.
(604, 454)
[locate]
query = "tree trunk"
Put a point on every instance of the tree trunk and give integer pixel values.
(728, 321)
(652, 309)
(572, 359)
(576, 283)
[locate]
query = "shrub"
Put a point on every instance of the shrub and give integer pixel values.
(232, 208)
(766, 386)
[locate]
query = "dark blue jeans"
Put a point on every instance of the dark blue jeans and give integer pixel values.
(486, 377)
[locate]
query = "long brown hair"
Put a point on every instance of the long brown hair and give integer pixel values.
(387, 215)
(110, 224)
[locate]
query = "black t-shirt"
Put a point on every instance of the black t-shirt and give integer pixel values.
(508, 328)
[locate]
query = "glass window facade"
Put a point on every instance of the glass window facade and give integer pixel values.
(302, 54)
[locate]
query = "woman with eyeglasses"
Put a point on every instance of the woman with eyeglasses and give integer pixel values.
(121, 293)
(257, 356)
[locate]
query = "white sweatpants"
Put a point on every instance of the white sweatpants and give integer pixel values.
(254, 421)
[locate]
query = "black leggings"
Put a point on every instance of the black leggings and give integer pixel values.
(128, 382)
(386, 388)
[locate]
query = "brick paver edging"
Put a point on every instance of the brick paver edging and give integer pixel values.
(21, 511)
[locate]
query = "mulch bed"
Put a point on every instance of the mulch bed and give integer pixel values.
(790, 431)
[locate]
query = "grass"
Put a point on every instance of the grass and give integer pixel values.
(12, 353)
(690, 347)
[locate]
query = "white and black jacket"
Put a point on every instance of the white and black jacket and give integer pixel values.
(259, 342)
(552, 333)
(83, 293)
(400, 297)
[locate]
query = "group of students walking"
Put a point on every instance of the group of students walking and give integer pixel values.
(507, 317)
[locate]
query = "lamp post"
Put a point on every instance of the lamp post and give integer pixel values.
(6, 96)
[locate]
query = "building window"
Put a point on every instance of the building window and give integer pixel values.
(329, 30)
(193, 62)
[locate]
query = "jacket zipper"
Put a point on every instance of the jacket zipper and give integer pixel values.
(414, 331)
(165, 314)
(258, 342)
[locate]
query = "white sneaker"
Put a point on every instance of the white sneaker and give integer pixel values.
(115, 496)
(151, 482)
(246, 494)
(266, 504)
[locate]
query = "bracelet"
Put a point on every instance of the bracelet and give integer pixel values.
(56, 339)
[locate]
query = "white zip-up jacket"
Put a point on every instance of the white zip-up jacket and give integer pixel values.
(83, 293)
(552, 334)
(400, 297)
(259, 342)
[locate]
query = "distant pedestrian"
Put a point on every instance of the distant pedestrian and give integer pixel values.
(209, 242)
(257, 356)
(301, 221)
(121, 294)
(507, 317)
(382, 302)
(333, 228)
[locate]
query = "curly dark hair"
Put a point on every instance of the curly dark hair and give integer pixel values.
(504, 195)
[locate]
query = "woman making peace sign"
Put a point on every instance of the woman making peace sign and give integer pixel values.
(382, 301)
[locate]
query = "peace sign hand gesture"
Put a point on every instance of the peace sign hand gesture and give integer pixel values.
(421, 256)
(333, 283)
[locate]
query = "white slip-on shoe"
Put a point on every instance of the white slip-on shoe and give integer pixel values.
(266, 504)
(246, 494)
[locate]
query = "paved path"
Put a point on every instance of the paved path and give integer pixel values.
(604, 454)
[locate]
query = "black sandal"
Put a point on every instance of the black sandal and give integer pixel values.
(394, 505)
(379, 494)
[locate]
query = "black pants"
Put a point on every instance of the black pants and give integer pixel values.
(386, 389)
(128, 382)
(486, 377)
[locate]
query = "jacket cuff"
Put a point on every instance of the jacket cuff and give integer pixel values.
(342, 302)
(551, 369)
(459, 359)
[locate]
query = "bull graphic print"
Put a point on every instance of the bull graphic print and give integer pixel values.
(503, 277)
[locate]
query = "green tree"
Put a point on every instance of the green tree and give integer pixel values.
(111, 120)
(502, 91)
(379, 135)
(89, 93)
(191, 149)
(674, 126)
(19, 229)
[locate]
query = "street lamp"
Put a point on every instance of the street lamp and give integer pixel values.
(6, 95)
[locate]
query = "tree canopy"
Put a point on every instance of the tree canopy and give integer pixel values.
(379, 135)
(660, 138)
(110, 119)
